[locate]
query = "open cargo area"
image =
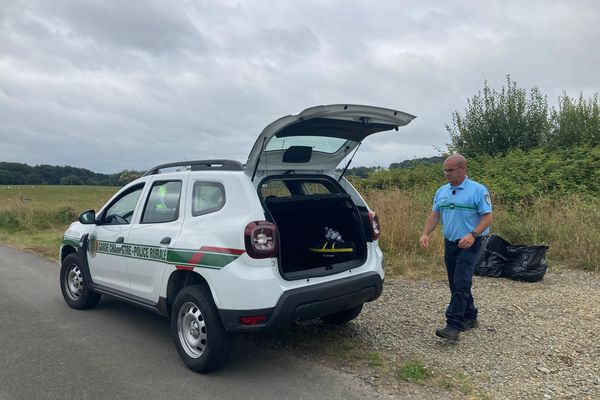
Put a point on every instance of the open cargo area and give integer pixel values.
(304, 219)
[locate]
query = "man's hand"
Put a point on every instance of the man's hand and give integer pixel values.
(430, 224)
(424, 242)
(466, 241)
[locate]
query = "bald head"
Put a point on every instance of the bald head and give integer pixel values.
(455, 169)
(457, 159)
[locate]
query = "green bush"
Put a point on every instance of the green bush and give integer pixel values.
(499, 121)
(496, 122)
(515, 177)
(575, 122)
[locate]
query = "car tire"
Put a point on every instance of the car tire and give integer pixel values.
(74, 286)
(200, 338)
(341, 317)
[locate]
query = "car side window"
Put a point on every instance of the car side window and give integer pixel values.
(316, 188)
(207, 197)
(162, 204)
(121, 211)
(281, 188)
(275, 188)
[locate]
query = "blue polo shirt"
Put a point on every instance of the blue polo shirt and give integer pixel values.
(461, 207)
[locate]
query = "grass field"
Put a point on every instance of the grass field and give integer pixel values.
(35, 218)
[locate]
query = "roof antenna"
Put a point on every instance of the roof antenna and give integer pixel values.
(349, 161)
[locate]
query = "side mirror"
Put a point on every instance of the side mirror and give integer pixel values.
(87, 217)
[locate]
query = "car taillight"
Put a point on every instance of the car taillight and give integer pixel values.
(260, 238)
(375, 228)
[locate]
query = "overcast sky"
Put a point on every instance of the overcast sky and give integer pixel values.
(112, 85)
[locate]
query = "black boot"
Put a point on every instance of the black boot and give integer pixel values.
(469, 324)
(448, 332)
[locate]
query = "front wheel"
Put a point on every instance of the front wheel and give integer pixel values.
(200, 338)
(74, 287)
(341, 317)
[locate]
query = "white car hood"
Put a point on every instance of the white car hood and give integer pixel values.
(347, 124)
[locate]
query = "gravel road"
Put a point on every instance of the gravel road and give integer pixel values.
(534, 341)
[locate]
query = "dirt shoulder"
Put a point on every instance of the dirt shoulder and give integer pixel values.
(534, 340)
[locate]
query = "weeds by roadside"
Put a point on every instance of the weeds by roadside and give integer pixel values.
(413, 371)
(35, 217)
(568, 225)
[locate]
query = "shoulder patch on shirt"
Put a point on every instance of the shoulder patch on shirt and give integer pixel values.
(488, 200)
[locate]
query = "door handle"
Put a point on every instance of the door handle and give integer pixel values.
(165, 240)
(120, 239)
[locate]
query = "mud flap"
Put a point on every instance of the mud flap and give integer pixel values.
(82, 250)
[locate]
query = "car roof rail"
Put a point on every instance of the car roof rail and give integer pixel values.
(199, 165)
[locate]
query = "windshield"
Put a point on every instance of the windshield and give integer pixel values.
(323, 144)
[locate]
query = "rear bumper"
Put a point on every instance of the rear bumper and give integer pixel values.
(309, 302)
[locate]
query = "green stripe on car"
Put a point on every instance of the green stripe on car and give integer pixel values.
(183, 257)
(70, 241)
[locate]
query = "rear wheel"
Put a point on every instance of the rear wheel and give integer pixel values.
(200, 338)
(341, 317)
(74, 287)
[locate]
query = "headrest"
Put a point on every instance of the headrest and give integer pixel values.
(171, 199)
(297, 154)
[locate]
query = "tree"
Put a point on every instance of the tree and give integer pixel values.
(417, 161)
(6, 177)
(15, 173)
(575, 122)
(496, 122)
(126, 176)
(16, 167)
(19, 178)
(33, 179)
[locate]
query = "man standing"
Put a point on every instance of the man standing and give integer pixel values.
(465, 209)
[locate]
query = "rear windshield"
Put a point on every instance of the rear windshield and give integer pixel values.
(323, 144)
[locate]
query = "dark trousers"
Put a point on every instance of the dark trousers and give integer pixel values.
(460, 265)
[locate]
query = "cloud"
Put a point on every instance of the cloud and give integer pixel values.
(124, 85)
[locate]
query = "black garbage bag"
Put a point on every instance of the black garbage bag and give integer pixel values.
(525, 263)
(494, 255)
(514, 261)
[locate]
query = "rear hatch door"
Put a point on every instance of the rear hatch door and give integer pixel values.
(318, 138)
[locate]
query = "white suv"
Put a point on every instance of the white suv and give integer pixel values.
(220, 247)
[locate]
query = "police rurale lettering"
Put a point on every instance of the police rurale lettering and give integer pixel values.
(147, 252)
(140, 251)
(158, 254)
